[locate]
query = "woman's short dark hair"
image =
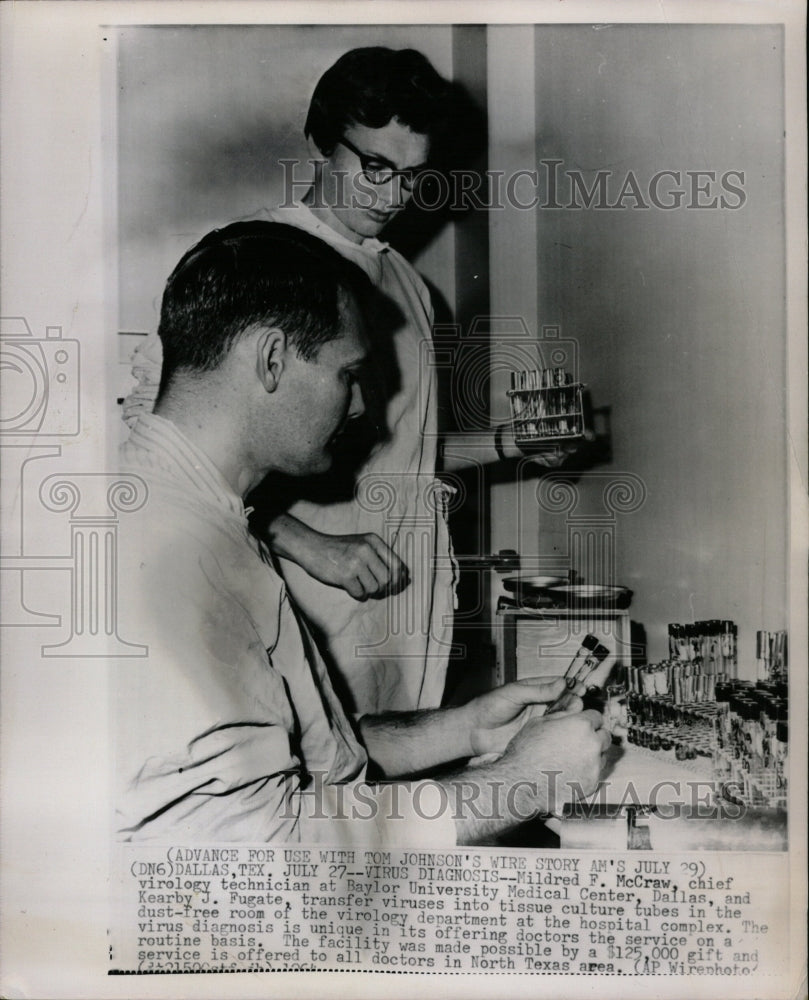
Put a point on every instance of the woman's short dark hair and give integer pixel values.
(370, 87)
(253, 274)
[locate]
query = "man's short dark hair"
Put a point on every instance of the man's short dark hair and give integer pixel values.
(370, 87)
(253, 274)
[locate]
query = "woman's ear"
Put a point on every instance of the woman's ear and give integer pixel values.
(271, 346)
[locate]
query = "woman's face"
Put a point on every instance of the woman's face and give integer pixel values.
(348, 199)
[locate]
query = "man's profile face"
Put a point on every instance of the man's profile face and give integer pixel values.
(356, 206)
(324, 394)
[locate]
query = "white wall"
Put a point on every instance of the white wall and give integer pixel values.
(679, 314)
(513, 266)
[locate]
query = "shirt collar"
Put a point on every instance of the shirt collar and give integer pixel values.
(306, 219)
(173, 451)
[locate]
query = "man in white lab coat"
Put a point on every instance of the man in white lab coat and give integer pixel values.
(229, 729)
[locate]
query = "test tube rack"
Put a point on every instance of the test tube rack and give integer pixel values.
(546, 405)
(659, 723)
(757, 785)
(747, 755)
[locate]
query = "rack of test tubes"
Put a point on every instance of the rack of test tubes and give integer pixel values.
(657, 723)
(672, 704)
(546, 405)
(752, 742)
(695, 705)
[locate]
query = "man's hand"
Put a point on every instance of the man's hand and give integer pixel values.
(561, 755)
(549, 761)
(496, 717)
(362, 565)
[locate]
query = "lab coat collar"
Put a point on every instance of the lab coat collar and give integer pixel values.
(306, 219)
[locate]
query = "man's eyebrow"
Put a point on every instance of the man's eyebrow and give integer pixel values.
(357, 362)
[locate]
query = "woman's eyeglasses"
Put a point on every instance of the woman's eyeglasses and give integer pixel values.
(379, 171)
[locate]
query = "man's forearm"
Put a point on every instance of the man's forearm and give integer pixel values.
(548, 762)
(404, 743)
(496, 797)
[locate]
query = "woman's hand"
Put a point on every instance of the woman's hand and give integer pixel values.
(362, 564)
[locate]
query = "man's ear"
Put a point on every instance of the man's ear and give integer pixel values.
(271, 348)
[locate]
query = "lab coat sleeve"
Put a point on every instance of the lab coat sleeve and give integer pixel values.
(204, 727)
(210, 725)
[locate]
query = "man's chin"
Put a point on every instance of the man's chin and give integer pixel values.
(325, 463)
(310, 466)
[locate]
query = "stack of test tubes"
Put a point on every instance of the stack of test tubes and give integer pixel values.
(771, 656)
(657, 723)
(711, 645)
(752, 738)
(681, 682)
(699, 655)
(546, 405)
(695, 705)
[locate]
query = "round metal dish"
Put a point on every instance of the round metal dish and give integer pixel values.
(589, 595)
(531, 585)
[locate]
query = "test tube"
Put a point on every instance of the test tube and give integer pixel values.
(588, 656)
(648, 682)
(728, 646)
(781, 754)
(762, 656)
(714, 645)
(778, 656)
(675, 635)
(661, 681)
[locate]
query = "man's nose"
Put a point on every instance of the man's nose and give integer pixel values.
(356, 407)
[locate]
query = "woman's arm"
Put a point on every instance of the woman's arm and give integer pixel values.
(362, 565)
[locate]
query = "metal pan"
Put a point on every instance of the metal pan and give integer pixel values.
(589, 595)
(531, 586)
